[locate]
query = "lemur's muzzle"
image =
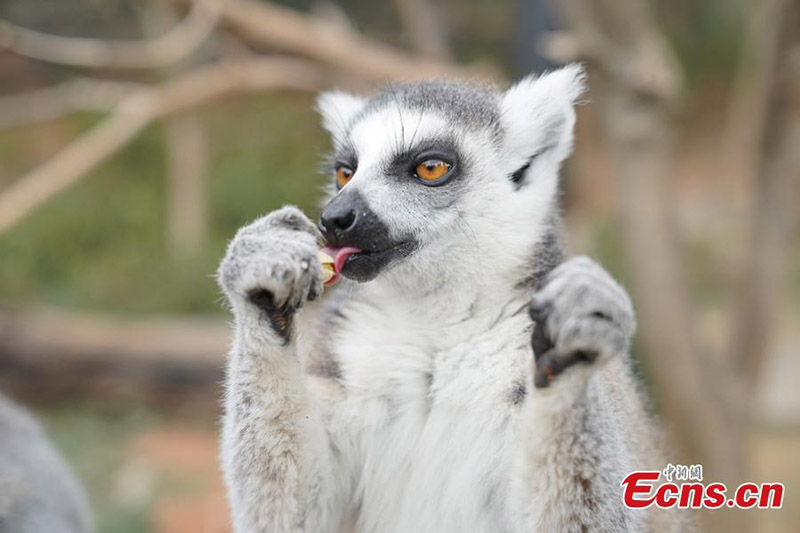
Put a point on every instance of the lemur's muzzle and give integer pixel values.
(341, 217)
(357, 239)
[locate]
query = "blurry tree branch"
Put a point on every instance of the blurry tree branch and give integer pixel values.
(626, 45)
(426, 30)
(328, 41)
(49, 103)
(561, 47)
(748, 107)
(186, 148)
(169, 48)
(772, 170)
(140, 109)
(163, 361)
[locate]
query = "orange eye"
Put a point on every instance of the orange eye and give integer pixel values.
(432, 169)
(343, 175)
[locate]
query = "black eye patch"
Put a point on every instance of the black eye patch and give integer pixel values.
(345, 157)
(403, 163)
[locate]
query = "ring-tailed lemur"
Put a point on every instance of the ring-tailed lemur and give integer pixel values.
(416, 402)
(38, 492)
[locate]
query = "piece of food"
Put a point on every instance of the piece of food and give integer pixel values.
(328, 268)
(333, 259)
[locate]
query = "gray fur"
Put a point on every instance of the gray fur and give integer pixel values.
(472, 106)
(546, 256)
(38, 492)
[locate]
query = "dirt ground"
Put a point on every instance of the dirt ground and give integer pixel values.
(185, 459)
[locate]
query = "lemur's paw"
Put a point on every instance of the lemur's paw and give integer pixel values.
(271, 268)
(583, 317)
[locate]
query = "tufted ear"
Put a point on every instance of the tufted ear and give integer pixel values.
(337, 109)
(538, 116)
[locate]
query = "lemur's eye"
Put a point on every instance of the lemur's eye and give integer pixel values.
(432, 169)
(343, 175)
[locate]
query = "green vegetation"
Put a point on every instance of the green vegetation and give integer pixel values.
(101, 245)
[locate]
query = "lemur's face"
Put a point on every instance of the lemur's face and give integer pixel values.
(438, 179)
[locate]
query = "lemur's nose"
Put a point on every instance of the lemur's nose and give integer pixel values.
(337, 219)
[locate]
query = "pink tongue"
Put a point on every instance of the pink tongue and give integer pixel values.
(340, 255)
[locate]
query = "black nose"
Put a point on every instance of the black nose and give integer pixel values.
(338, 220)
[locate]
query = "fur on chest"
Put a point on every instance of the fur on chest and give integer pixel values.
(431, 432)
(391, 361)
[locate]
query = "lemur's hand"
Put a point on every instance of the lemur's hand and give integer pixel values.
(583, 318)
(271, 268)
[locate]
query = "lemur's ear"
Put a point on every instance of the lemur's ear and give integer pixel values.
(337, 109)
(538, 116)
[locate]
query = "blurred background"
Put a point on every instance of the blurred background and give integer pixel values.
(136, 136)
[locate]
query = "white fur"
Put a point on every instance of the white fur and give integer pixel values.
(548, 103)
(337, 109)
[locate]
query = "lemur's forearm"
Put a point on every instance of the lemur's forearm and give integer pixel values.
(263, 437)
(574, 458)
(276, 455)
(575, 450)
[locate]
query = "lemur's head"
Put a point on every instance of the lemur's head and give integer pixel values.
(434, 179)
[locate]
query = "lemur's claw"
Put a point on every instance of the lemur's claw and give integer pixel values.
(582, 316)
(540, 342)
(552, 363)
(280, 317)
(539, 310)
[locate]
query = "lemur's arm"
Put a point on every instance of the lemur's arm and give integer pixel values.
(576, 446)
(275, 451)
